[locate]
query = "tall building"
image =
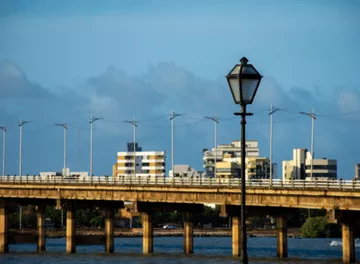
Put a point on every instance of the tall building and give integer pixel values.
(357, 171)
(228, 161)
(231, 151)
(130, 147)
(147, 163)
(185, 171)
(299, 167)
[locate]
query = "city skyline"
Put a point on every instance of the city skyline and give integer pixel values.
(63, 62)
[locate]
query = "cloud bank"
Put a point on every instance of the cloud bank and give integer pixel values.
(150, 97)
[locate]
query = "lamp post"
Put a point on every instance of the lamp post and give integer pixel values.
(172, 117)
(4, 130)
(134, 123)
(216, 121)
(313, 118)
(272, 111)
(243, 81)
(92, 120)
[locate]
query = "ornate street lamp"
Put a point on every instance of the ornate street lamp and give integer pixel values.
(243, 81)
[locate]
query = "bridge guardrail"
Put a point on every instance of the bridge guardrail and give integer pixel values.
(185, 181)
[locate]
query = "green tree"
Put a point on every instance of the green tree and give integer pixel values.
(315, 227)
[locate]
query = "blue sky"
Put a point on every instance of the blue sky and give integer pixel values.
(62, 60)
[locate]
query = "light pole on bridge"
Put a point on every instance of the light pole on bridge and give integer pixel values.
(4, 130)
(172, 117)
(243, 81)
(92, 120)
(313, 118)
(216, 121)
(272, 111)
(134, 124)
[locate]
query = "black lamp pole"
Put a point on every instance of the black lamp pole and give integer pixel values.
(243, 246)
(243, 81)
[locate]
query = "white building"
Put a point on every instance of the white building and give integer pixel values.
(231, 151)
(321, 168)
(357, 171)
(147, 163)
(300, 167)
(50, 175)
(185, 171)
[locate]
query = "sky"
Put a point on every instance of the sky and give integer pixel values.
(61, 61)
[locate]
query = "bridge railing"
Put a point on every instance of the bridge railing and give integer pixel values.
(183, 181)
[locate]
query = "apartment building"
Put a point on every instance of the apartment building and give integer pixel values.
(64, 174)
(321, 168)
(295, 168)
(184, 170)
(147, 163)
(300, 167)
(228, 152)
(357, 171)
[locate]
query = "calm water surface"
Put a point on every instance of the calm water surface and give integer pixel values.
(169, 250)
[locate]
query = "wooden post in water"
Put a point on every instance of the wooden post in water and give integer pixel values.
(40, 215)
(281, 235)
(236, 235)
(147, 233)
(4, 245)
(188, 233)
(70, 230)
(109, 230)
(348, 243)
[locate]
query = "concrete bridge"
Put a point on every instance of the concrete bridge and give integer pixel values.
(341, 199)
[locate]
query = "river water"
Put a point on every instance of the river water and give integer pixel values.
(169, 250)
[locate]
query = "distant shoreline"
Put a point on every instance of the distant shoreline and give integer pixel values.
(160, 232)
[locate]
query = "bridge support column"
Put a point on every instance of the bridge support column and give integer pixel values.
(281, 235)
(188, 233)
(236, 236)
(40, 215)
(70, 230)
(109, 230)
(348, 244)
(4, 246)
(147, 233)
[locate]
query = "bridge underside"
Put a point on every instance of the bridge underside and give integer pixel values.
(263, 197)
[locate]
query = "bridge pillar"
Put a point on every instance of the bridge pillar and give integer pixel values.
(109, 230)
(188, 233)
(281, 235)
(147, 233)
(4, 244)
(40, 215)
(236, 236)
(348, 244)
(70, 230)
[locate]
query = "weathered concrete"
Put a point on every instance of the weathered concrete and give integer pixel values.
(147, 233)
(4, 245)
(109, 230)
(70, 230)
(40, 214)
(236, 236)
(281, 236)
(188, 233)
(341, 199)
(348, 243)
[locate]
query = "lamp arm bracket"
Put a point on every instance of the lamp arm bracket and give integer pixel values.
(243, 114)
